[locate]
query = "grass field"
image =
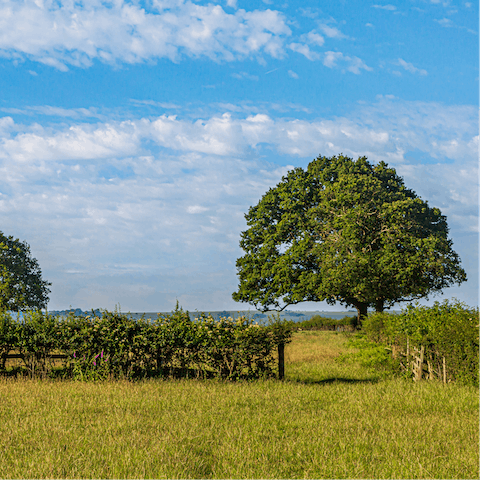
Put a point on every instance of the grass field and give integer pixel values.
(328, 419)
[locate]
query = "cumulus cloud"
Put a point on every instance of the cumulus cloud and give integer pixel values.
(169, 193)
(62, 33)
(315, 39)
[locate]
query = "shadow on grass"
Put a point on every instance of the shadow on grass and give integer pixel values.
(327, 381)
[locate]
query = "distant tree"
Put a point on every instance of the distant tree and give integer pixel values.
(344, 231)
(21, 284)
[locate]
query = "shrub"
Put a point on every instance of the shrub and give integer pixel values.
(114, 345)
(447, 330)
(318, 322)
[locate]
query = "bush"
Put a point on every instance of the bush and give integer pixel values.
(447, 330)
(114, 345)
(318, 322)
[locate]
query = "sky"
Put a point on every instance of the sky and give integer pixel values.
(135, 135)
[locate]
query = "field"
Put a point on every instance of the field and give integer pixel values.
(328, 419)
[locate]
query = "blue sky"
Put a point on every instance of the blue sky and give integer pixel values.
(134, 135)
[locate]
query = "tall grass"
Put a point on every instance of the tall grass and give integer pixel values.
(327, 420)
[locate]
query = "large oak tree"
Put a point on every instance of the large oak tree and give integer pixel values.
(21, 283)
(344, 231)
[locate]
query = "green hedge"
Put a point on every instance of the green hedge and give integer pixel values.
(317, 322)
(447, 330)
(114, 345)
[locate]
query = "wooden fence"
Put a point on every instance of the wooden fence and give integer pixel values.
(61, 356)
(415, 360)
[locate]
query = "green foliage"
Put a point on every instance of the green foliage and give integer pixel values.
(114, 345)
(344, 231)
(37, 338)
(91, 369)
(21, 284)
(317, 322)
(447, 330)
(7, 336)
(369, 354)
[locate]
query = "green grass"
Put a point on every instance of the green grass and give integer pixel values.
(326, 420)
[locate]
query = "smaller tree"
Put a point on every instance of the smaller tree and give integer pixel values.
(21, 283)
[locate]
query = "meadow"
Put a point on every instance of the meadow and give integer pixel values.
(329, 418)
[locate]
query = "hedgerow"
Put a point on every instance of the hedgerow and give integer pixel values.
(113, 345)
(318, 322)
(448, 333)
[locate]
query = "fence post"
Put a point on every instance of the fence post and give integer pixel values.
(419, 363)
(281, 361)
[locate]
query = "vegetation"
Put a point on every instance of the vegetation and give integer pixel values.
(344, 231)
(448, 333)
(328, 419)
(114, 345)
(21, 283)
(318, 322)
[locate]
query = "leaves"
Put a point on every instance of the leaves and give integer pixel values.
(346, 231)
(171, 344)
(21, 283)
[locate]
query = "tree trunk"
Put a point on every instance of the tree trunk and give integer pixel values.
(379, 306)
(361, 313)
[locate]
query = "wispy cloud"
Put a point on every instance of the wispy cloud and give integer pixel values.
(409, 67)
(244, 76)
(388, 7)
(304, 50)
(352, 64)
(331, 32)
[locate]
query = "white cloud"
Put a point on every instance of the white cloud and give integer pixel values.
(315, 39)
(410, 68)
(353, 64)
(331, 32)
(292, 74)
(444, 22)
(169, 193)
(304, 50)
(72, 33)
(196, 209)
(244, 75)
(63, 33)
(385, 7)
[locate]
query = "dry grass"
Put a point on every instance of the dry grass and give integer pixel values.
(341, 423)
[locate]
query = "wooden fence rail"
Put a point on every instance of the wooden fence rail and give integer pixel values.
(61, 356)
(416, 361)
(21, 356)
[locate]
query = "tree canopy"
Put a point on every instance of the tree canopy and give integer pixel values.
(21, 284)
(344, 231)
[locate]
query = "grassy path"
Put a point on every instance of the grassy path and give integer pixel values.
(327, 420)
